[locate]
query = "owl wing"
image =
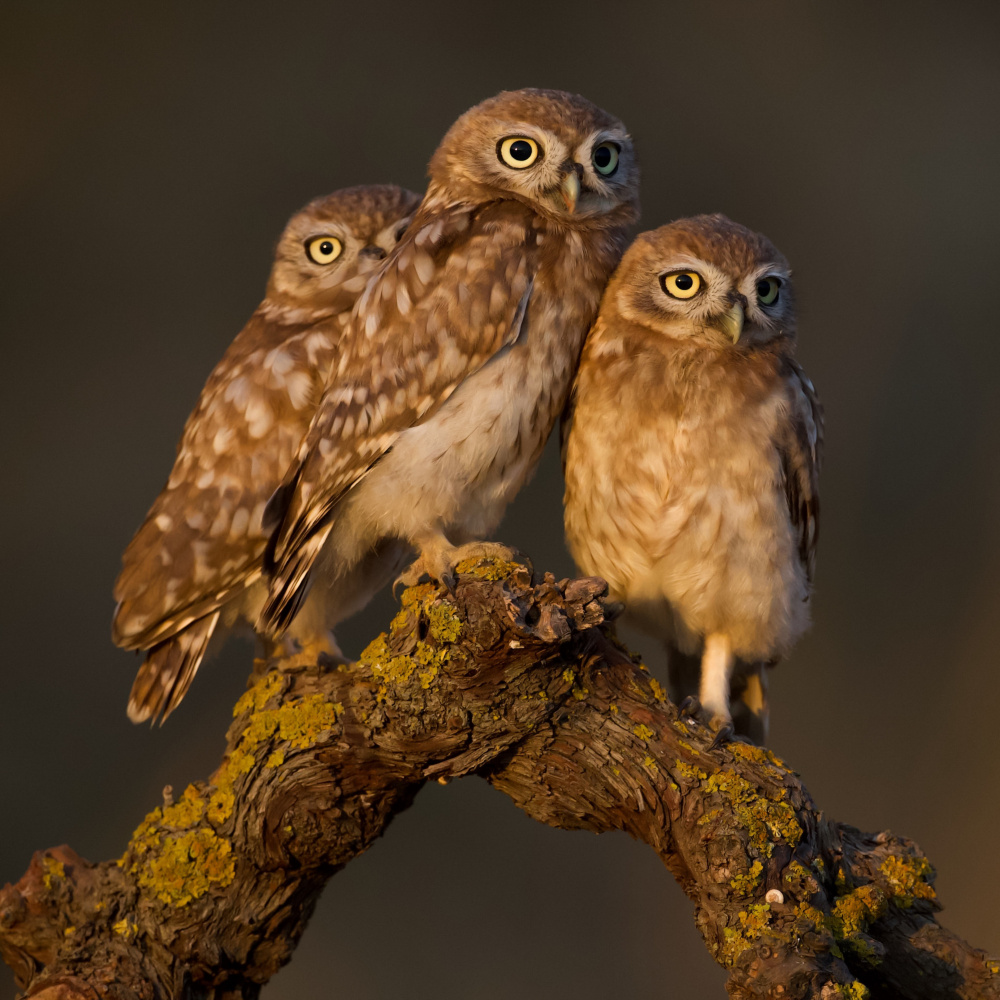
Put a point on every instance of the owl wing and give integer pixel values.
(451, 296)
(801, 450)
(202, 541)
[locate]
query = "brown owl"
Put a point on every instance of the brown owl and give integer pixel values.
(691, 454)
(195, 563)
(460, 353)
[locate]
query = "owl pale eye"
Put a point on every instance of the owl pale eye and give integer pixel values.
(682, 284)
(767, 291)
(606, 158)
(518, 152)
(324, 249)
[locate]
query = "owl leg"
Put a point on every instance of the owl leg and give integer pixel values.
(750, 705)
(309, 638)
(683, 677)
(716, 667)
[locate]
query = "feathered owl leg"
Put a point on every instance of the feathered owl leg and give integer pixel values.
(716, 667)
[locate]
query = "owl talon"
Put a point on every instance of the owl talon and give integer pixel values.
(689, 707)
(722, 737)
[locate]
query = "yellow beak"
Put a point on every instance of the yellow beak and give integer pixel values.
(731, 323)
(570, 190)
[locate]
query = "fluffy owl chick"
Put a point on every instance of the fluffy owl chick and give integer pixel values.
(691, 455)
(459, 356)
(195, 562)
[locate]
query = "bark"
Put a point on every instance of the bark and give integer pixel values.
(523, 683)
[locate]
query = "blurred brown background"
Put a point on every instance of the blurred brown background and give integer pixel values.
(150, 156)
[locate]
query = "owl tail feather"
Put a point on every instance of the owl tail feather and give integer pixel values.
(290, 585)
(168, 670)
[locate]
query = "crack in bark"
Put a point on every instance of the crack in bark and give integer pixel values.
(521, 682)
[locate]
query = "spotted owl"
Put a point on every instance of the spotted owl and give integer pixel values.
(460, 353)
(691, 456)
(194, 566)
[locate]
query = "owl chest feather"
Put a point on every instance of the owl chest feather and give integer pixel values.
(680, 505)
(461, 467)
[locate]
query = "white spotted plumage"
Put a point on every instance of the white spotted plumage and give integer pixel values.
(196, 560)
(460, 353)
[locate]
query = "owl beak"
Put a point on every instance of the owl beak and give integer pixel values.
(731, 322)
(570, 189)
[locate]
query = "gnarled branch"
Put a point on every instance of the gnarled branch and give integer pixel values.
(521, 683)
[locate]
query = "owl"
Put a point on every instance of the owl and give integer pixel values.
(193, 568)
(691, 451)
(460, 353)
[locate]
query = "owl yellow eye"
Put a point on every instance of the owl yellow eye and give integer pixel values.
(606, 158)
(767, 291)
(324, 249)
(682, 284)
(517, 151)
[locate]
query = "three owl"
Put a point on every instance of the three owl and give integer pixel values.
(691, 456)
(397, 386)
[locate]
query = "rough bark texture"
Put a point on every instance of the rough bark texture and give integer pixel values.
(520, 683)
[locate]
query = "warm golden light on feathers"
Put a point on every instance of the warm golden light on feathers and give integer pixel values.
(459, 357)
(195, 563)
(691, 453)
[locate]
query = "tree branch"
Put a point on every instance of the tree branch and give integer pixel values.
(521, 683)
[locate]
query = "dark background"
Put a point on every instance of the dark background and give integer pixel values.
(149, 158)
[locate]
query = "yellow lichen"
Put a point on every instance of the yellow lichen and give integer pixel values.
(745, 884)
(853, 912)
(685, 770)
(487, 567)
(580, 693)
(657, 688)
(53, 869)
(443, 626)
(187, 865)
(613, 708)
(569, 676)
(260, 692)
(125, 928)
(908, 879)
(767, 820)
(643, 732)
(651, 764)
(753, 924)
(853, 991)
(276, 759)
(70, 931)
(220, 805)
(187, 811)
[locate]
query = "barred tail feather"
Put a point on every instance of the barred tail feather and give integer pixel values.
(168, 670)
(290, 584)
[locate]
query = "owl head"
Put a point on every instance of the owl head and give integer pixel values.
(560, 154)
(328, 249)
(707, 280)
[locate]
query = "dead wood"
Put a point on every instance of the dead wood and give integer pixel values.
(521, 683)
